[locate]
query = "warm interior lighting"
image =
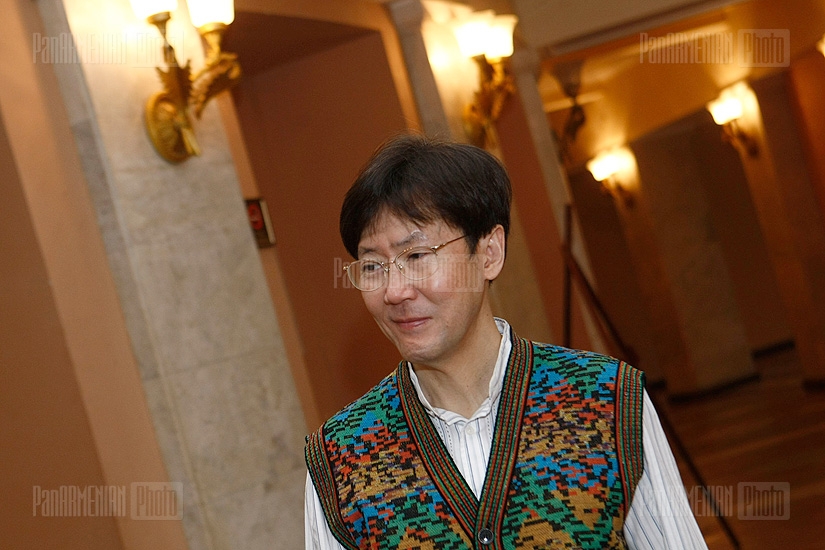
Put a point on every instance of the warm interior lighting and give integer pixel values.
(500, 37)
(726, 111)
(608, 164)
(485, 33)
(205, 12)
(487, 38)
(608, 167)
(167, 112)
(821, 45)
(471, 32)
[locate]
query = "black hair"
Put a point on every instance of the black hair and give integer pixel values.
(426, 180)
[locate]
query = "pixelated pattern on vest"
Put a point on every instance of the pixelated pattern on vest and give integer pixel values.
(385, 496)
(567, 456)
(565, 491)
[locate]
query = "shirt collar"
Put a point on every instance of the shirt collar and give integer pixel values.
(496, 381)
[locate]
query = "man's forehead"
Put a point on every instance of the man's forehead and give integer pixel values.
(398, 232)
(396, 238)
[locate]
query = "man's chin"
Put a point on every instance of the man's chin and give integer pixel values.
(415, 354)
(418, 346)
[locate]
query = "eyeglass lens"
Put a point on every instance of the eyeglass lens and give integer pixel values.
(414, 264)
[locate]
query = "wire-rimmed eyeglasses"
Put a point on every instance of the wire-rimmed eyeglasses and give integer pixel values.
(414, 263)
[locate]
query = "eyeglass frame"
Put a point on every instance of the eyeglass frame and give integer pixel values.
(385, 266)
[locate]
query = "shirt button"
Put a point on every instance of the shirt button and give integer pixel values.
(485, 536)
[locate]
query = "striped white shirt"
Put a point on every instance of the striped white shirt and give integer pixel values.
(659, 516)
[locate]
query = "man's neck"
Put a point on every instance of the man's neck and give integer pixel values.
(462, 383)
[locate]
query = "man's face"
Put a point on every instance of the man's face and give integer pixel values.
(428, 320)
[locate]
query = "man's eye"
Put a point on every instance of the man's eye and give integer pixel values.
(425, 256)
(369, 268)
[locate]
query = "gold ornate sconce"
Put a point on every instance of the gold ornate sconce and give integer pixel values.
(487, 38)
(167, 113)
(726, 110)
(608, 168)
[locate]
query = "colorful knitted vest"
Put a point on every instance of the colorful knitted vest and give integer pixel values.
(565, 460)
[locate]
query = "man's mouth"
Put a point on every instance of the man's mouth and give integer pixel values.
(409, 323)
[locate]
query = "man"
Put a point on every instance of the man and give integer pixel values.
(479, 439)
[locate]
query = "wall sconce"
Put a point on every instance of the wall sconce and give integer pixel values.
(821, 45)
(487, 38)
(607, 168)
(726, 111)
(167, 113)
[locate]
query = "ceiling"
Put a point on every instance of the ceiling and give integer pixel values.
(263, 41)
(598, 39)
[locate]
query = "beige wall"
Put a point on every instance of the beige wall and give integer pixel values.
(46, 436)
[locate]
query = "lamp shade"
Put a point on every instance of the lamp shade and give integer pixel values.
(821, 45)
(499, 41)
(485, 33)
(145, 9)
(471, 32)
(610, 163)
(204, 12)
(725, 109)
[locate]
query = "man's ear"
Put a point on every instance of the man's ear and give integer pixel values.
(493, 249)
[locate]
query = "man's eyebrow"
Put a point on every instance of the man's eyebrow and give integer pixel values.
(414, 237)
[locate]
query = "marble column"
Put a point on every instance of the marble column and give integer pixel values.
(693, 259)
(525, 68)
(524, 65)
(190, 281)
(408, 16)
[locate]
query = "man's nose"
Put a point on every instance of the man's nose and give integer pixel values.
(398, 288)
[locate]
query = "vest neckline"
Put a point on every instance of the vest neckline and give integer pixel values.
(484, 513)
